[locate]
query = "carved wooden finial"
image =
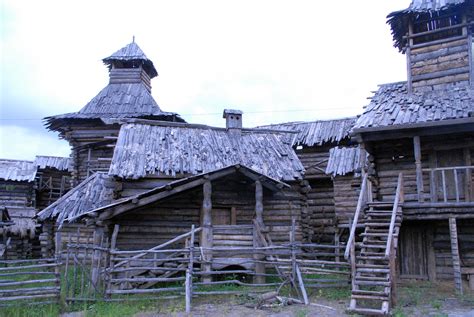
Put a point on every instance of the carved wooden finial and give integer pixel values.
(133, 39)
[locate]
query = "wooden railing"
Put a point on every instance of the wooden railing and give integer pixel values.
(363, 196)
(399, 198)
(458, 188)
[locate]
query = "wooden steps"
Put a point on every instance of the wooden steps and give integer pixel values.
(373, 276)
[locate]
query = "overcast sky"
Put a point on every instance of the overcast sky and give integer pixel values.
(277, 61)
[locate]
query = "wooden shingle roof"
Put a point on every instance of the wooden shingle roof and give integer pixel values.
(343, 160)
(154, 148)
(59, 163)
(131, 100)
(392, 105)
(17, 170)
(314, 133)
(130, 53)
(95, 191)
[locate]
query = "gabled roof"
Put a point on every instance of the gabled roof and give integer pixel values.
(132, 52)
(343, 160)
(392, 105)
(148, 147)
(181, 185)
(314, 133)
(17, 170)
(398, 20)
(95, 191)
(59, 163)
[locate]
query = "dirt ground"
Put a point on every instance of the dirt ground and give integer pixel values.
(415, 299)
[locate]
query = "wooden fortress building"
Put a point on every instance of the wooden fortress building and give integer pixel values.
(393, 188)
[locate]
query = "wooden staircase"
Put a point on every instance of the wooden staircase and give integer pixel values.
(373, 255)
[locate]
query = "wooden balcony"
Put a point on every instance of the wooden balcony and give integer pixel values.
(444, 191)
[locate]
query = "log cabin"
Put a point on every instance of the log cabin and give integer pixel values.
(25, 187)
(17, 198)
(165, 177)
(313, 142)
(416, 203)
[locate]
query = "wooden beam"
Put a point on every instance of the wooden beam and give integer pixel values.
(419, 171)
(259, 203)
(206, 233)
(468, 192)
(453, 232)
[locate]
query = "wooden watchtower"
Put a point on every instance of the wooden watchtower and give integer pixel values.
(416, 207)
(93, 130)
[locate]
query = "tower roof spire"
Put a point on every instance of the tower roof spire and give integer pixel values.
(131, 54)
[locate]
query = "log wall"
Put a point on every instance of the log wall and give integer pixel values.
(320, 219)
(92, 149)
(159, 222)
(435, 66)
(346, 195)
(397, 156)
(18, 194)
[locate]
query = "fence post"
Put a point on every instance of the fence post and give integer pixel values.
(189, 273)
(113, 242)
(57, 270)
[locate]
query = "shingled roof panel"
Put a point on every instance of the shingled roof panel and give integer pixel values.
(392, 105)
(94, 192)
(17, 170)
(144, 149)
(315, 132)
(60, 163)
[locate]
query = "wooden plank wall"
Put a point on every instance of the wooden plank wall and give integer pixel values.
(162, 221)
(315, 160)
(434, 66)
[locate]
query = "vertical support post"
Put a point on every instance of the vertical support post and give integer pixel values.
(113, 245)
(259, 203)
(468, 192)
(259, 267)
(98, 234)
(363, 163)
(419, 171)
(337, 243)
(57, 271)
(189, 274)
(206, 233)
(293, 249)
(431, 256)
(433, 157)
(453, 232)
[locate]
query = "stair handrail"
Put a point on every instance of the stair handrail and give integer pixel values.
(360, 204)
(399, 199)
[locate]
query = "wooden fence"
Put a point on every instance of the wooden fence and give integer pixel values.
(29, 282)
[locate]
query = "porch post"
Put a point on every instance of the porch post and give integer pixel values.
(419, 172)
(259, 267)
(259, 203)
(206, 233)
(98, 236)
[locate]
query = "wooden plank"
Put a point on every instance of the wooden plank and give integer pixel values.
(419, 172)
(453, 232)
